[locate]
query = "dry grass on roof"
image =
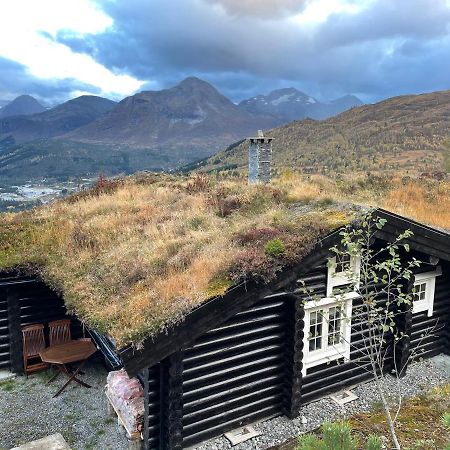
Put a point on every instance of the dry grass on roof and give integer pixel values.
(132, 257)
(137, 255)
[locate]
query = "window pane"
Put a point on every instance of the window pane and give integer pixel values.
(315, 330)
(420, 290)
(335, 325)
(342, 263)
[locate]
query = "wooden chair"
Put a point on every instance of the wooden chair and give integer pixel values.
(33, 343)
(59, 332)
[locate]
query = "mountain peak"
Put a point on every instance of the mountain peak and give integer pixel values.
(23, 105)
(25, 97)
(194, 82)
(347, 101)
(284, 91)
(291, 104)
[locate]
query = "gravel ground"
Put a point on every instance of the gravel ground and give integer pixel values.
(28, 411)
(421, 376)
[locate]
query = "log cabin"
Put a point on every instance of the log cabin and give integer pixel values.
(246, 346)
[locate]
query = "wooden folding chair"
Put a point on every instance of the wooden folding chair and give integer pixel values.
(33, 343)
(59, 332)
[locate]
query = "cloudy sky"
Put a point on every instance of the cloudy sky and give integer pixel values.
(58, 49)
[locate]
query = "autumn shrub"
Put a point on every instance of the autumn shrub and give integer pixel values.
(258, 199)
(228, 205)
(198, 183)
(257, 236)
(252, 263)
(101, 186)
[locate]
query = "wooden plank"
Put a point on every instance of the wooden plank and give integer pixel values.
(15, 333)
(173, 403)
(425, 230)
(146, 436)
(295, 402)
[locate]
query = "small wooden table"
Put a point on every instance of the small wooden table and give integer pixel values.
(69, 352)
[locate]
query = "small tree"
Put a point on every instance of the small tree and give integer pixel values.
(383, 284)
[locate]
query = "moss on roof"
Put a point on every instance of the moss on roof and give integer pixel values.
(132, 257)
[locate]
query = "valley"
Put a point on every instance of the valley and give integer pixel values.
(38, 192)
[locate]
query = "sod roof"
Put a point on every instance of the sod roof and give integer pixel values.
(133, 257)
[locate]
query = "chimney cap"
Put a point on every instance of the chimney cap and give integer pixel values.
(260, 136)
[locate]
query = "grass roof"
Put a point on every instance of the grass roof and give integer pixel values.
(134, 256)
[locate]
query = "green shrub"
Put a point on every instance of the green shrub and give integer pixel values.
(446, 420)
(274, 247)
(309, 442)
(335, 436)
(374, 443)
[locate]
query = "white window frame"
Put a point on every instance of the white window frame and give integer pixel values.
(341, 279)
(328, 353)
(429, 279)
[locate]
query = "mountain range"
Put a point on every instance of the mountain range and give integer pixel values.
(410, 134)
(191, 114)
(291, 104)
(53, 122)
(155, 130)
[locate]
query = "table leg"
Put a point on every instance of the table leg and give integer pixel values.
(56, 375)
(72, 377)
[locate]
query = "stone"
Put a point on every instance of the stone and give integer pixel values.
(6, 375)
(52, 442)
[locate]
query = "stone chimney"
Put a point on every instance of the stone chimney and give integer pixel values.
(259, 159)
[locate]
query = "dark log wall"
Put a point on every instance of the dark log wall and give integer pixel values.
(239, 372)
(233, 375)
(430, 335)
(4, 331)
(154, 408)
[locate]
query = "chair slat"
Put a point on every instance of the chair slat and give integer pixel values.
(59, 332)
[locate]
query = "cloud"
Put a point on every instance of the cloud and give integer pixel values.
(328, 48)
(325, 47)
(16, 80)
(28, 39)
(260, 8)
